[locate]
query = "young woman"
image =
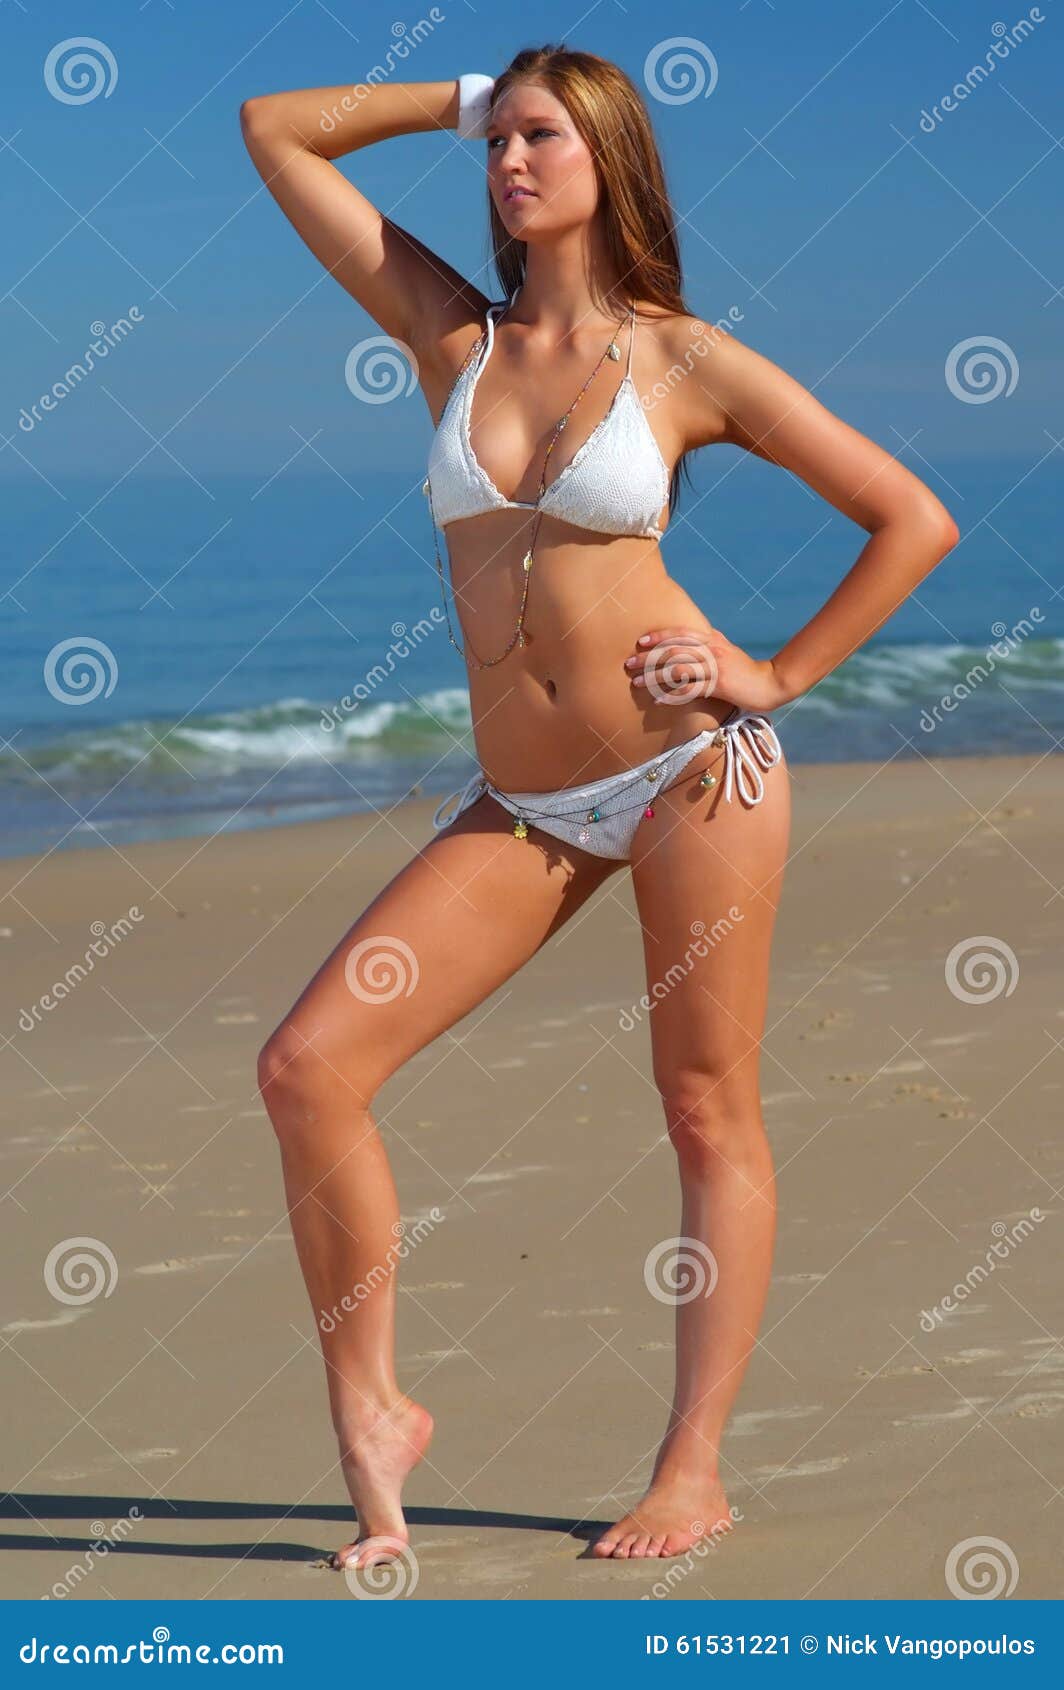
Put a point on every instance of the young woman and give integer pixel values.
(614, 722)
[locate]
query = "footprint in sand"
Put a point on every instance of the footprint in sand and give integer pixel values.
(185, 1264)
(803, 1470)
(62, 1319)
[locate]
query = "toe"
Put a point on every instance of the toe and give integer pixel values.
(641, 1545)
(657, 1545)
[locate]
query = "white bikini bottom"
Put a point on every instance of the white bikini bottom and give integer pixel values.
(602, 816)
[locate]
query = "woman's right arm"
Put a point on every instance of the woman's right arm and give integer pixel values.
(412, 293)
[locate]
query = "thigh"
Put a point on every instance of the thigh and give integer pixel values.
(451, 926)
(707, 876)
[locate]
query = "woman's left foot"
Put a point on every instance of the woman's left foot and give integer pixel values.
(670, 1519)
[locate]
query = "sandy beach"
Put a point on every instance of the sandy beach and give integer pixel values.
(168, 1431)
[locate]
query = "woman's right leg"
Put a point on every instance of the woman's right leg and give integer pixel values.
(452, 925)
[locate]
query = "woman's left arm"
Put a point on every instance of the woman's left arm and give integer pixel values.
(733, 394)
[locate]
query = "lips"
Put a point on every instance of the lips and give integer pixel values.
(519, 194)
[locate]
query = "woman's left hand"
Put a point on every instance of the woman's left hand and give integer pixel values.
(676, 665)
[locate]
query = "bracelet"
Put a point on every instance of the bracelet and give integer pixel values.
(474, 105)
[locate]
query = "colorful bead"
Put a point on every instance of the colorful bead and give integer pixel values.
(595, 815)
(652, 774)
(520, 829)
(527, 561)
(649, 811)
(708, 780)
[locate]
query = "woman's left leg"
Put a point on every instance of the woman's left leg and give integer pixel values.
(707, 876)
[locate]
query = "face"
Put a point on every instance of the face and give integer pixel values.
(534, 146)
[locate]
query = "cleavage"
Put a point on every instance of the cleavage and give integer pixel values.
(552, 462)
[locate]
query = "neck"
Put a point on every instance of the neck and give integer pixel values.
(560, 297)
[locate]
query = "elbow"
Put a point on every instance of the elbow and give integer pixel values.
(252, 115)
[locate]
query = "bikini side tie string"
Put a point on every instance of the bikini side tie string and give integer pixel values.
(740, 761)
(465, 795)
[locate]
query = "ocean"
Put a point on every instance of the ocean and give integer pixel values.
(184, 655)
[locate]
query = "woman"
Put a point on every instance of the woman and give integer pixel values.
(596, 686)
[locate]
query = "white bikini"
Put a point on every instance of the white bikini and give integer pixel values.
(616, 483)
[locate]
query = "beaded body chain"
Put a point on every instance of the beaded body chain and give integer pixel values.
(706, 780)
(518, 636)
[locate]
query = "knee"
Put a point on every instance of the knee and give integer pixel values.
(299, 1079)
(713, 1120)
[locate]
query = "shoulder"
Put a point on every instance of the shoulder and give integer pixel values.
(702, 370)
(710, 377)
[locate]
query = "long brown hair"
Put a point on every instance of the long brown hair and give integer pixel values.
(608, 111)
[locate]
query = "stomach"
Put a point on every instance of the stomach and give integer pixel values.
(562, 710)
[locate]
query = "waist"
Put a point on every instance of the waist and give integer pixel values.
(563, 709)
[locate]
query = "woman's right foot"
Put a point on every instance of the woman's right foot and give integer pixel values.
(377, 1452)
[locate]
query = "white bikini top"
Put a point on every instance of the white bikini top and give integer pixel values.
(616, 483)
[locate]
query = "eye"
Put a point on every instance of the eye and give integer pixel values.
(539, 130)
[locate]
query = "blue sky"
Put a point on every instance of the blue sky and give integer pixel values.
(859, 247)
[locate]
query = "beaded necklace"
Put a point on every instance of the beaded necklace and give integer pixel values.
(518, 636)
